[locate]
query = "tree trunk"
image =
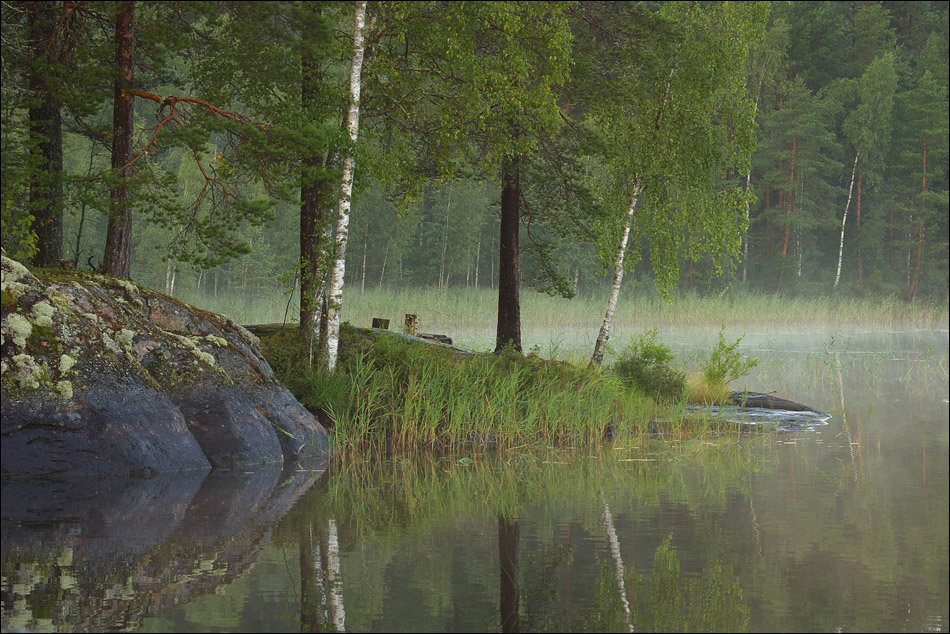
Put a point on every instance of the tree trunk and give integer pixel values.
(478, 250)
(382, 271)
(363, 266)
(117, 258)
(600, 347)
(445, 241)
(315, 195)
(330, 343)
(857, 227)
(509, 302)
(844, 218)
(82, 211)
(509, 591)
(618, 562)
(791, 197)
(311, 582)
(745, 238)
(45, 122)
(491, 261)
(912, 291)
(334, 578)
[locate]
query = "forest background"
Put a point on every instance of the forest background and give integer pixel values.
(796, 149)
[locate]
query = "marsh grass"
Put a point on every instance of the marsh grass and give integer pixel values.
(398, 395)
(554, 327)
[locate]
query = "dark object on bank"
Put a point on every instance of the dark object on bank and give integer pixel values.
(767, 401)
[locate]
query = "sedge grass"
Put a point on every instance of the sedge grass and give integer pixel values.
(408, 396)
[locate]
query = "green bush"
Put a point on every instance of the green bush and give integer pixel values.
(725, 363)
(647, 365)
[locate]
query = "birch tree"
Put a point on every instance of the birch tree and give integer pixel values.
(330, 343)
(673, 128)
(869, 126)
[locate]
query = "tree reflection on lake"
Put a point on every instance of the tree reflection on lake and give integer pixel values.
(838, 527)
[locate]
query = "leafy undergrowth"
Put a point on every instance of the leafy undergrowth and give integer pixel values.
(394, 393)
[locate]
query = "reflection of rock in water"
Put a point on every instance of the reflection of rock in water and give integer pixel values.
(753, 411)
(100, 555)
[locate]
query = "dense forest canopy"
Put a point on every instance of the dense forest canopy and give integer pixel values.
(785, 147)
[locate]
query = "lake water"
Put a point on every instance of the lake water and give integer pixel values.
(840, 527)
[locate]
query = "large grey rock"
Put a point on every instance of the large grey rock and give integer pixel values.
(102, 376)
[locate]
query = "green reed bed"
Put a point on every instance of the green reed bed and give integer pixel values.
(409, 395)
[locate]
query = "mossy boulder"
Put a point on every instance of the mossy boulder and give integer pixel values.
(103, 376)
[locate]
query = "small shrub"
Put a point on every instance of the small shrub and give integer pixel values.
(647, 365)
(725, 364)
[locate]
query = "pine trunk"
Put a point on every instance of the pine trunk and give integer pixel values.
(600, 347)
(117, 258)
(315, 205)
(330, 343)
(508, 331)
(45, 122)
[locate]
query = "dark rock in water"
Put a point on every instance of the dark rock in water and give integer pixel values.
(767, 401)
(753, 411)
(102, 376)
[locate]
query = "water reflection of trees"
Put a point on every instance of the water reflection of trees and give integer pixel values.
(379, 501)
(105, 555)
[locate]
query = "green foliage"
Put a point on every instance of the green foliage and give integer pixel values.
(674, 93)
(713, 601)
(388, 390)
(725, 364)
(647, 365)
(19, 237)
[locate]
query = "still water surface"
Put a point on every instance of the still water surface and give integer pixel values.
(840, 527)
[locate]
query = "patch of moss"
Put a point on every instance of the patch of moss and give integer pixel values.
(7, 301)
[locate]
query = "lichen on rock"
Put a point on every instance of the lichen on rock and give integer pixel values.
(43, 314)
(18, 328)
(82, 353)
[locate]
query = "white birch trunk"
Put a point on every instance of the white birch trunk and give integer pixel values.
(334, 578)
(601, 346)
(331, 343)
(382, 272)
(844, 218)
(748, 186)
(478, 250)
(618, 562)
(745, 238)
(363, 268)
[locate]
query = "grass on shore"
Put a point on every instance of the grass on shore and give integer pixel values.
(392, 393)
